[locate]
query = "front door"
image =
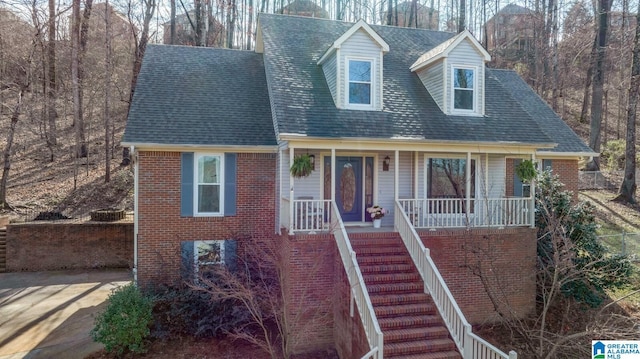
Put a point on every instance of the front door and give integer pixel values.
(349, 186)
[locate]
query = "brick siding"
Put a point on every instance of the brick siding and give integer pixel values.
(309, 261)
(505, 257)
(55, 246)
(567, 170)
(161, 228)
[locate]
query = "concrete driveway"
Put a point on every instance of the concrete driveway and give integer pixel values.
(50, 314)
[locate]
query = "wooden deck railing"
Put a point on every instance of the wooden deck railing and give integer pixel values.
(470, 345)
(359, 294)
(452, 212)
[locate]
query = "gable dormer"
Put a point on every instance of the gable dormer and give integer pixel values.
(352, 67)
(453, 73)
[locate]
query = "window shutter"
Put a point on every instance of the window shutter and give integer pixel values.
(230, 254)
(187, 255)
(517, 183)
(230, 189)
(546, 165)
(186, 184)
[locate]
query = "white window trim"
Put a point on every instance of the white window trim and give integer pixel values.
(425, 174)
(373, 90)
(197, 264)
(196, 157)
(459, 111)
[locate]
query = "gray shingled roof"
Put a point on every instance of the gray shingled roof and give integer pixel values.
(302, 102)
(200, 96)
(538, 110)
(203, 96)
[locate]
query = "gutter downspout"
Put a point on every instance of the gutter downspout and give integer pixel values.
(135, 214)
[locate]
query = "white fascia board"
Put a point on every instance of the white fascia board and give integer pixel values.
(192, 147)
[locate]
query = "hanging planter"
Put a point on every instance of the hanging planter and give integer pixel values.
(526, 170)
(301, 166)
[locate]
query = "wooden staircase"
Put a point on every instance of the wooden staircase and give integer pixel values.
(408, 318)
(3, 249)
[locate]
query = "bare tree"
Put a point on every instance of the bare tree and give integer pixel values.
(51, 88)
(107, 92)
(597, 94)
(627, 189)
(260, 286)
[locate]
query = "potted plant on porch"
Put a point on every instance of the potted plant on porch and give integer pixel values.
(377, 212)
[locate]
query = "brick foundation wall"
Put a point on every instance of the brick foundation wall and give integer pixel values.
(161, 228)
(309, 282)
(55, 246)
(505, 257)
(350, 337)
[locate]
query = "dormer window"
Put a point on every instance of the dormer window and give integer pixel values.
(360, 82)
(463, 89)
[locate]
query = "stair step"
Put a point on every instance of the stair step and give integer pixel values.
(419, 347)
(435, 355)
(377, 278)
(386, 268)
(397, 288)
(394, 299)
(375, 242)
(395, 259)
(404, 310)
(411, 321)
(372, 251)
(398, 335)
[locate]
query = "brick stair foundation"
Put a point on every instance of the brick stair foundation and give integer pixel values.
(410, 322)
(3, 249)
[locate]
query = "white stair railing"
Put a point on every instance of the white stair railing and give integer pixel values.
(359, 294)
(469, 344)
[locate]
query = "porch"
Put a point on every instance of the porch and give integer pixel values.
(435, 190)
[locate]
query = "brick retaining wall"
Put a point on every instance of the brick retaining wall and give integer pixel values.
(55, 246)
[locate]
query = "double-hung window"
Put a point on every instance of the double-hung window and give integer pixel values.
(463, 89)
(209, 191)
(447, 179)
(360, 82)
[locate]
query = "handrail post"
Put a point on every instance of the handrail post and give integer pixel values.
(466, 343)
(513, 355)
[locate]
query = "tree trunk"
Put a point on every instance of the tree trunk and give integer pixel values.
(52, 137)
(82, 51)
(107, 94)
(389, 12)
(15, 115)
(587, 83)
(140, 42)
(173, 23)
(627, 189)
(598, 84)
(75, 77)
(462, 15)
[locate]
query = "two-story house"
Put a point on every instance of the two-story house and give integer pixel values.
(510, 33)
(408, 119)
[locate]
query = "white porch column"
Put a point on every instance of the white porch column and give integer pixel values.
(396, 175)
(333, 175)
(468, 186)
(532, 202)
(416, 173)
(291, 192)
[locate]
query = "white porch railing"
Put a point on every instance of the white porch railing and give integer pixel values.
(359, 294)
(470, 345)
(452, 212)
(307, 215)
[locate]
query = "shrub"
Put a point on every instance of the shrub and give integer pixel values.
(125, 322)
(568, 245)
(190, 309)
(613, 154)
